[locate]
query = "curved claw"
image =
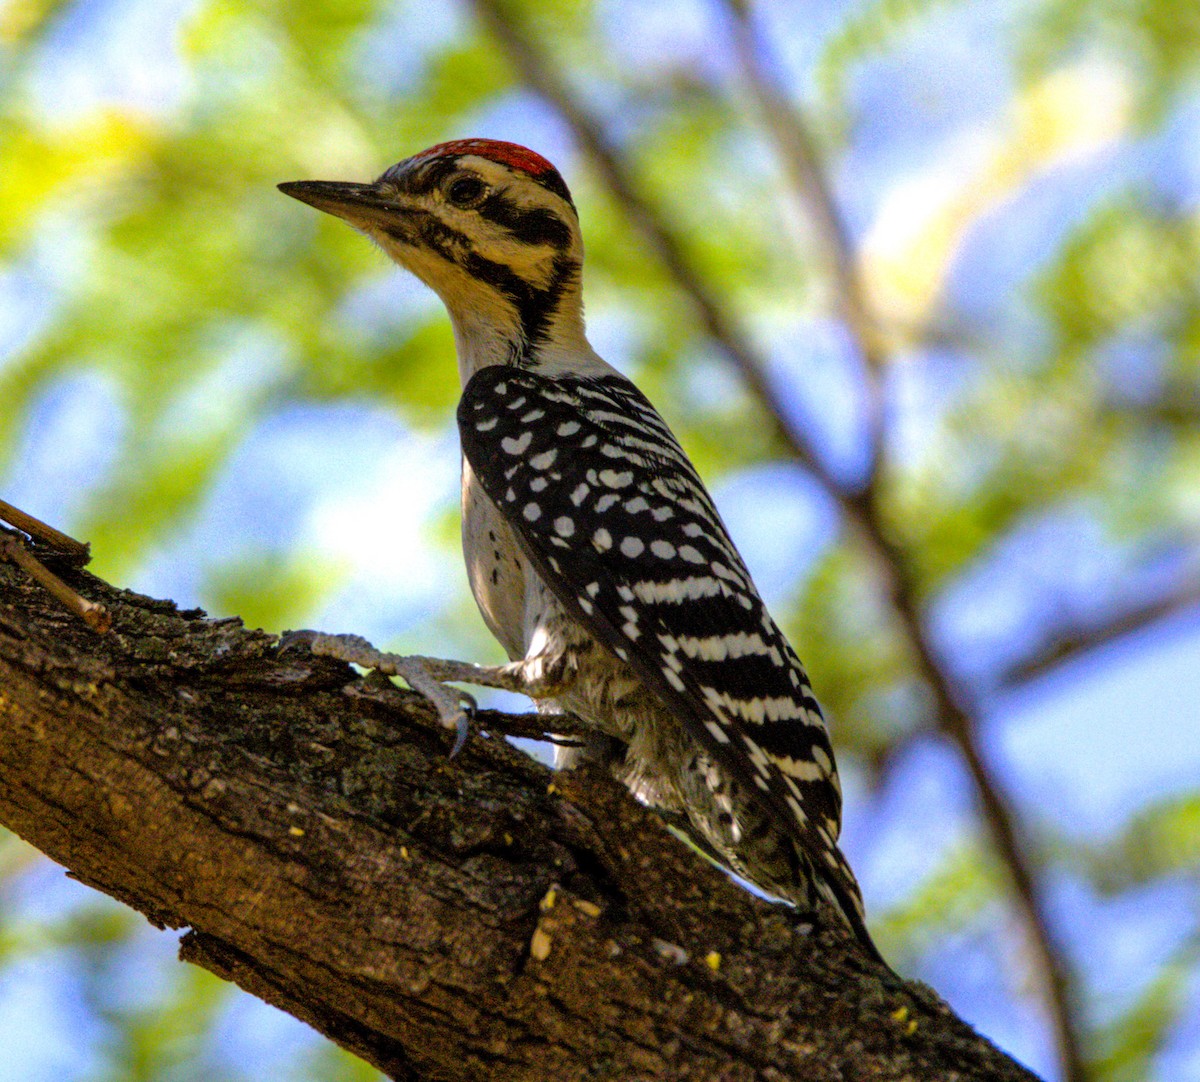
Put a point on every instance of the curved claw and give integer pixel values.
(462, 725)
(463, 730)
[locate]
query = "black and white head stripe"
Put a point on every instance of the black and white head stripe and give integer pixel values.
(433, 164)
(470, 202)
(614, 517)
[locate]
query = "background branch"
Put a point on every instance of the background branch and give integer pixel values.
(1074, 641)
(443, 919)
(814, 197)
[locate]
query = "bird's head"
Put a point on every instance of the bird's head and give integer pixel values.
(489, 226)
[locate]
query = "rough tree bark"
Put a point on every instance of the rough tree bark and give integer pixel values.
(475, 918)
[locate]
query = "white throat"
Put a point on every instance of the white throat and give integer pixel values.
(490, 333)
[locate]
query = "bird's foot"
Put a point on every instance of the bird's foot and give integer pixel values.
(426, 676)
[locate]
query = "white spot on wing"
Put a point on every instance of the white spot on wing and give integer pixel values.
(797, 811)
(718, 731)
(735, 645)
(676, 590)
(613, 479)
(516, 446)
(801, 769)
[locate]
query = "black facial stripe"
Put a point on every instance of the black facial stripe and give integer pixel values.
(424, 178)
(537, 226)
(535, 319)
(534, 306)
(420, 228)
(514, 287)
(552, 182)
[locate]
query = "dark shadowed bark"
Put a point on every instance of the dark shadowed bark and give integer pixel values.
(474, 918)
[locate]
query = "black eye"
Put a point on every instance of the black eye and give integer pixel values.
(466, 191)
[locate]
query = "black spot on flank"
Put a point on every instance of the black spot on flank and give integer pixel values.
(537, 226)
(495, 576)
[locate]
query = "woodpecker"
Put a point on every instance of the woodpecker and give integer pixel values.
(593, 549)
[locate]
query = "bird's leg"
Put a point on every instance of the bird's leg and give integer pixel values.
(538, 677)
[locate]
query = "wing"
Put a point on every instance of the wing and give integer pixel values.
(623, 531)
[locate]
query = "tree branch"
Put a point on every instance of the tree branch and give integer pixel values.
(443, 919)
(1073, 641)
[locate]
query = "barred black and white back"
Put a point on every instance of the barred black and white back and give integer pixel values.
(613, 515)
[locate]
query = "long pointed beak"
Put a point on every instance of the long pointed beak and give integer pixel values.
(358, 204)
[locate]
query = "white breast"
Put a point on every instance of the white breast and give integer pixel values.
(496, 567)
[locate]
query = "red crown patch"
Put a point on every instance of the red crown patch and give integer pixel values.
(513, 155)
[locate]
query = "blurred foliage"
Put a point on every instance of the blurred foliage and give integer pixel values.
(1128, 1045)
(142, 243)
(266, 592)
(1160, 840)
(945, 905)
